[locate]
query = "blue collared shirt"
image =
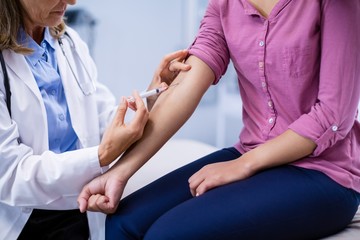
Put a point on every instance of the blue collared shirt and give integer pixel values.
(44, 66)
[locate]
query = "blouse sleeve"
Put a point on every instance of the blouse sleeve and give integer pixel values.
(333, 116)
(210, 44)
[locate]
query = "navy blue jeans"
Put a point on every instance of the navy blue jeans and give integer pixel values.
(285, 202)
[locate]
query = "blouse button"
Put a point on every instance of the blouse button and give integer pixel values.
(261, 43)
(61, 117)
(334, 128)
(261, 64)
(271, 120)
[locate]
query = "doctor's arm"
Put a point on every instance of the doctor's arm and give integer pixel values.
(170, 112)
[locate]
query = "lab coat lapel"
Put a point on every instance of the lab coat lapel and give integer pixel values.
(72, 91)
(74, 96)
(16, 63)
(64, 64)
(27, 101)
(83, 108)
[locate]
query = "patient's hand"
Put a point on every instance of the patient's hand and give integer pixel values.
(169, 68)
(102, 194)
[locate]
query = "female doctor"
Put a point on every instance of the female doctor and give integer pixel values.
(62, 126)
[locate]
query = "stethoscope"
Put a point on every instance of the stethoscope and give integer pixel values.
(87, 85)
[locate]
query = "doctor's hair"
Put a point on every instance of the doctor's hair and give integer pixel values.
(11, 20)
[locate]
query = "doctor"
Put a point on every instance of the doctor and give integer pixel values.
(62, 128)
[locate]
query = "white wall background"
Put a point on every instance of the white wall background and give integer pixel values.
(131, 37)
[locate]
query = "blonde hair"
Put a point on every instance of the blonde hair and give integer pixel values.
(11, 20)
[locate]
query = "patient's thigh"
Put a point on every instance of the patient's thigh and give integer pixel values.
(137, 212)
(281, 203)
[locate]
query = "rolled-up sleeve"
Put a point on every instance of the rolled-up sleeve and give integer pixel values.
(210, 44)
(332, 117)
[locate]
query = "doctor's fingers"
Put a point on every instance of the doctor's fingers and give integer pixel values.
(142, 114)
(177, 66)
(170, 66)
(134, 101)
(177, 62)
(120, 112)
(177, 56)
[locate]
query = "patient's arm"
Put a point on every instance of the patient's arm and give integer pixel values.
(170, 112)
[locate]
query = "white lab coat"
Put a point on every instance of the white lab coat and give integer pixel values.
(30, 175)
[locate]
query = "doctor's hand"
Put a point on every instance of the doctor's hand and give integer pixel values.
(168, 69)
(102, 194)
(119, 135)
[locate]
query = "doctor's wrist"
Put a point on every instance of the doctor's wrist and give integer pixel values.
(105, 156)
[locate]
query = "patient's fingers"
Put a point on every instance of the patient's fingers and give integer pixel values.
(194, 182)
(96, 202)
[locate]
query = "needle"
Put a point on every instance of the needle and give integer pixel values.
(155, 91)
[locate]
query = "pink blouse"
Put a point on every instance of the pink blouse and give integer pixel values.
(298, 69)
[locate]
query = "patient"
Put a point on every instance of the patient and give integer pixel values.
(295, 171)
